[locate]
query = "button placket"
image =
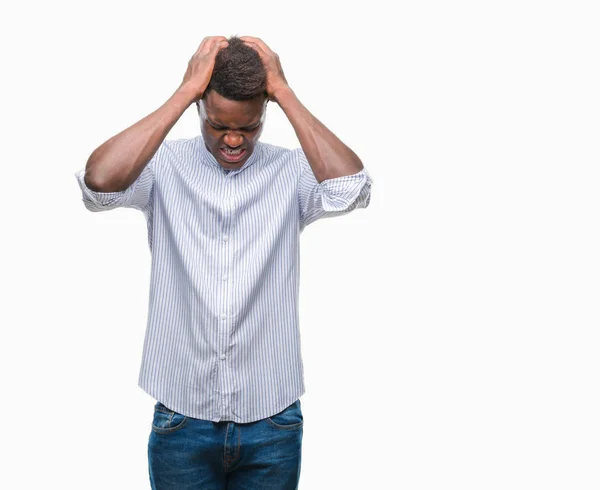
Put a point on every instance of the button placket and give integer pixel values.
(223, 275)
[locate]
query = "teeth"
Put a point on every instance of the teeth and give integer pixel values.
(233, 152)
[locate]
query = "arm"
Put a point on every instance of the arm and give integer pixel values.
(116, 164)
(331, 197)
(328, 157)
(332, 180)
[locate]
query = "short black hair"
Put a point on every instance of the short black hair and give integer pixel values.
(239, 73)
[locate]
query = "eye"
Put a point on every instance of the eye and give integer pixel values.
(215, 126)
(223, 128)
(249, 130)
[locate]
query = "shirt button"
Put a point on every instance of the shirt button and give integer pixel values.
(222, 356)
(224, 278)
(225, 238)
(223, 316)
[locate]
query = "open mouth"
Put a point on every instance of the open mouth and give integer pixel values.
(232, 155)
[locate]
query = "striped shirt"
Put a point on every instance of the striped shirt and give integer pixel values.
(222, 340)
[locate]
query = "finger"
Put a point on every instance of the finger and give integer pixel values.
(204, 41)
(264, 53)
(219, 45)
(257, 42)
(216, 42)
(209, 52)
(215, 48)
(253, 39)
(218, 39)
(208, 42)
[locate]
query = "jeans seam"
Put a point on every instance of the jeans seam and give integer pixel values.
(225, 447)
(237, 453)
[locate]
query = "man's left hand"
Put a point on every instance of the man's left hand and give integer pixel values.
(276, 81)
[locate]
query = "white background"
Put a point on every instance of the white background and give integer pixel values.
(450, 331)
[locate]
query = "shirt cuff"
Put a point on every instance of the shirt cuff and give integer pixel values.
(340, 193)
(100, 198)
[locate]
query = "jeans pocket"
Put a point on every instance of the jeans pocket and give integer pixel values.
(288, 419)
(166, 421)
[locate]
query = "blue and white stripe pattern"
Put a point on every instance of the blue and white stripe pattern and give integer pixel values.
(222, 340)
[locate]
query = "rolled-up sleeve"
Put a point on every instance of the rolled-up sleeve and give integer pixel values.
(332, 197)
(138, 195)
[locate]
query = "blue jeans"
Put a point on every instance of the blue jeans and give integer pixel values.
(186, 453)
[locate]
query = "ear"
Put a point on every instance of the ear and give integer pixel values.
(200, 107)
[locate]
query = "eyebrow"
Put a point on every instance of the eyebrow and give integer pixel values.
(219, 125)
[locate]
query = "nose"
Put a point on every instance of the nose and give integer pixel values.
(233, 139)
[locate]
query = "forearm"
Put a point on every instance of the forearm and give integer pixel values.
(327, 155)
(118, 162)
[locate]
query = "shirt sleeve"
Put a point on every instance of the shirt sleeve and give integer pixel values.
(332, 197)
(138, 195)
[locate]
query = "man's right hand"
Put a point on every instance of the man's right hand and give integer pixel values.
(200, 66)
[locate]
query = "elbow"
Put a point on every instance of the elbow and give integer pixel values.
(100, 186)
(98, 176)
(96, 183)
(92, 183)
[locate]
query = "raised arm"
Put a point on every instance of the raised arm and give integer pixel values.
(118, 162)
(328, 157)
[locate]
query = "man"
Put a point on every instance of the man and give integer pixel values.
(225, 212)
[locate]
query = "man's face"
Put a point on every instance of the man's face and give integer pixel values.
(231, 128)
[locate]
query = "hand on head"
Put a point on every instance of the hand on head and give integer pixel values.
(275, 77)
(200, 66)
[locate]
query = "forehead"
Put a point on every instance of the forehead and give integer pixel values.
(232, 112)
